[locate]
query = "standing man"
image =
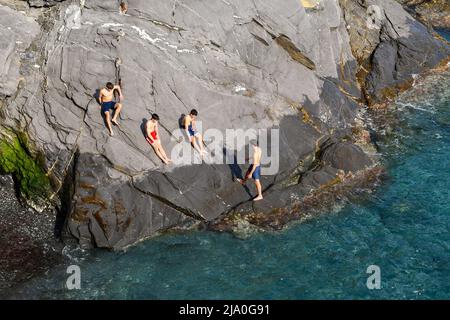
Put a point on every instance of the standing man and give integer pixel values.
(254, 171)
(152, 137)
(194, 136)
(109, 106)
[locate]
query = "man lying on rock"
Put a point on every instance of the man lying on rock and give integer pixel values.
(254, 171)
(152, 137)
(109, 106)
(195, 138)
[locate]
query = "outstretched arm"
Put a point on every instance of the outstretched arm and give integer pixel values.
(117, 87)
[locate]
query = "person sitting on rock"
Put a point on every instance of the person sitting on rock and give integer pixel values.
(109, 106)
(254, 171)
(152, 137)
(194, 136)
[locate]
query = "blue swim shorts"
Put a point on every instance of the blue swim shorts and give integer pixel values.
(257, 173)
(192, 132)
(107, 106)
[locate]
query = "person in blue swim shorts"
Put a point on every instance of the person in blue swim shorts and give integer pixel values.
(110, 108)
(195, 138)
(254, 171)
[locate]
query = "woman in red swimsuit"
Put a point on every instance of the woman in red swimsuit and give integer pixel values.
(154, 136)
(151, 132)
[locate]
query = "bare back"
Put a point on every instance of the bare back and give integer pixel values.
(257, 154)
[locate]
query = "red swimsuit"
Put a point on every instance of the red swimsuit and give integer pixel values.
(154, 136)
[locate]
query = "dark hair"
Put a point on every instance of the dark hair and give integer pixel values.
(155, 117)
(194, 112)
(110, 86)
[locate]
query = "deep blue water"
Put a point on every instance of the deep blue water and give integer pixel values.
(404, 228)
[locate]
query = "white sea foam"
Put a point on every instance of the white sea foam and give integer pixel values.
(75, 254)
(403, 105)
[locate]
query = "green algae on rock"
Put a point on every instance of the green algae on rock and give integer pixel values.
(15, 159)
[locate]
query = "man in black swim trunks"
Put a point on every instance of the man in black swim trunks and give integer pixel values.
(109, 106)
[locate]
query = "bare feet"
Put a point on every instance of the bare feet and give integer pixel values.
(114, 122)
(258, 198)
(111, 133)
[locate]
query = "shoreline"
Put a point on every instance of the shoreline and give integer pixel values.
(28, 246)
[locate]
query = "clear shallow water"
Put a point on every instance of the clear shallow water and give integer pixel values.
(404, 228)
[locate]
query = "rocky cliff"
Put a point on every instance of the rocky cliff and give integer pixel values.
(306, 68)
(433, 12)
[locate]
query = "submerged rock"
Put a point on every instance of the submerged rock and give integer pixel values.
(301, 67)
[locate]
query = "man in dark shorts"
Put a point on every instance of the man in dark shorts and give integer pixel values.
(254, 171)
(109, 106)
(195, 138)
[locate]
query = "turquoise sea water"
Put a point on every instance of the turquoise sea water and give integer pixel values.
(404, 228)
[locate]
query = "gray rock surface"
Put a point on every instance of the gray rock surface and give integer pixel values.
(346, 156)
(17, 31)
(43, 3)
(390, 45)
(243, 65)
